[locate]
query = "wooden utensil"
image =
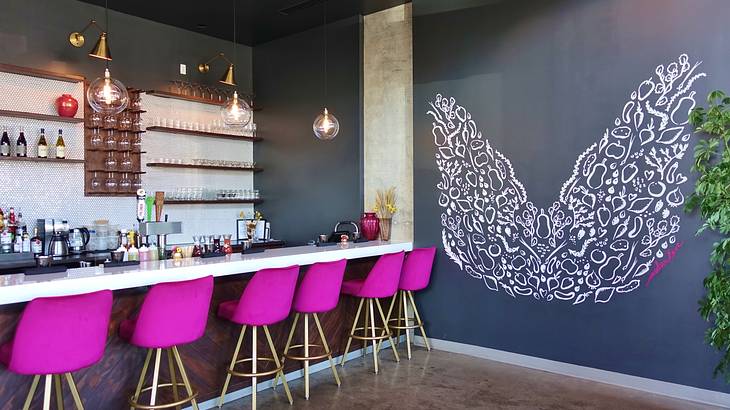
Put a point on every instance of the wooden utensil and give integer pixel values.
(159, 202)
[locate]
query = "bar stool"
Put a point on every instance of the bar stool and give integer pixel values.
(381, 282)
(318, 292)
(266, 300)
(415, 276)
(172, 314)
(57, 336)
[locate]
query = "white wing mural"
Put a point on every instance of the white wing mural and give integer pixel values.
(618, 212)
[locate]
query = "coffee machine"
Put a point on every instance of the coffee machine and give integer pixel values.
(47, 228)
(161, 230)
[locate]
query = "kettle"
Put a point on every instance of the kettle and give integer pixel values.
(58, 245)
(353, 234)
(78, 238)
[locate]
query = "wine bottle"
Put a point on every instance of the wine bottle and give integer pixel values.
(42, 145)
(21, 146)
(26, 241)
(36, 244)
(5, 143)
(60, 146)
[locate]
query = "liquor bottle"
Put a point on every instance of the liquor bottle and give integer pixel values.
(42, 145)
(36, 245)
(26, 241)
(12, 220)
(5, 143)
(60, 146)
(21, 146)
(18, 244)
(6, 240)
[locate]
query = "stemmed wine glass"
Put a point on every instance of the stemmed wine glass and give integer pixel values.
(110, 163)
(126, 163)
(125, 184)
(95, 140)
(109, 141)
(124, 142)
(110, 183)
(95, 182)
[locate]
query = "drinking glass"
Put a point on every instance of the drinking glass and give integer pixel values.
(110, 183)
(125, 184)
(110, 163)
(110, 121)
(125, 121)
(137, 124)
(95, 120)
(125, 141)
(95, 140)
(137, 142)
(109, 141)
(126, 163)
(137, 182)
(137, 101)
(95, 183)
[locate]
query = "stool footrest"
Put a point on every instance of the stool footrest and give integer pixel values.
(180, 402)
(303, 358)
(378, 329)
(416, 325)
(256, 374)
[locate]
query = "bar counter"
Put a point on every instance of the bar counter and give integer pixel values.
(109, 383)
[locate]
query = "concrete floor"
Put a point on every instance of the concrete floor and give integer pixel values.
(442, 380)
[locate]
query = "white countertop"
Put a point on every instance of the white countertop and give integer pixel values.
(20, 288)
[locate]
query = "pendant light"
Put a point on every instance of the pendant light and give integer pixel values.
(325, 126)
(236, 112)
(106, 95)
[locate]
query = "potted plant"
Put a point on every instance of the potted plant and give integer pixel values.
(711, 199)
(385, 209)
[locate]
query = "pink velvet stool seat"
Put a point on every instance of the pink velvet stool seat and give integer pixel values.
(381, 282)
(318, 292)
(57, 336)
(415, 276)
(266, 300)
(172, 314)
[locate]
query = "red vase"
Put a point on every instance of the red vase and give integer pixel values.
(370, 226)
(66, 105)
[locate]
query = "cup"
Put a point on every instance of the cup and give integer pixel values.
(117, 256)
(322, 238)
(43, 261)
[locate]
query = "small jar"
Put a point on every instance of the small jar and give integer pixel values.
(227, 248)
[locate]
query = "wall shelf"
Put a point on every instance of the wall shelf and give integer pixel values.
(202, 100)
(212, 201)
(203, 133)
(36, 159)
(42, 117)
(38, 73)
(193, 166)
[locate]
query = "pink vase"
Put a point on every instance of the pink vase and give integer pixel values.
(370, 226)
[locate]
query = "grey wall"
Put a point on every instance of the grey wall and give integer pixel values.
(146, 54)
(308, 184)
(543, 81)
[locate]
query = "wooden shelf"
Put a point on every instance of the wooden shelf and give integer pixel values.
(105, 171)
(115, 129)
(167, 94)
(193, 166)
(212, 201)
(116, 150)
(35, 159)
(42, 117)
(34, 72)
(203, 133)
(107, 194)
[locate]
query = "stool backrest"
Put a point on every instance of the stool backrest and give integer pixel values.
(319, 291)
(173, 313)
(61, 334)
(268, 296)
(417, 269)
(382, 281)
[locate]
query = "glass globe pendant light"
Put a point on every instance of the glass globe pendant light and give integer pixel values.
(325, 126)
(236, 112)
(107, 95)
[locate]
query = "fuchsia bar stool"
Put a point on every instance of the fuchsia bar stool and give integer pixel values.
(266, 300)
(415, 276)
(318, 292)
(57, 336)
(172, 314)
(381, 282)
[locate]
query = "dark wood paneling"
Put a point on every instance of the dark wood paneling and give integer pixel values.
(108, 384)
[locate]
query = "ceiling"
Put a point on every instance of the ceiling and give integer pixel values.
(258, 21)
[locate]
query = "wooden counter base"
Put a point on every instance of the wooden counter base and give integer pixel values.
(109, 383)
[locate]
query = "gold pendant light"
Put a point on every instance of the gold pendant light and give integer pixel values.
(101, 48)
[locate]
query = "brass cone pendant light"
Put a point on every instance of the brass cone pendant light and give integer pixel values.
(228, 77)
(101, 49)
(326, 125)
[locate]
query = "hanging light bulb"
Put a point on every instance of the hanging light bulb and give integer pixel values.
(326, 126)
(236, 112)
(107, 95)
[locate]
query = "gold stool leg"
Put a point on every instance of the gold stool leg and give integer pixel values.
(278, 364)
(326, 349)
(408, 332)
(365, 328)
(390, 312)
(352, 331)
(253, 368)
(74, 391)
(233, 364)
(47, 393)
(420, 322)
(31, 392)
(306, 354)
(184, 376)
(387, 330)
(155, 377)
(286, 348)
(173, 376)
(141, 376)
(372, 330)
(400, 315)
(59, 391)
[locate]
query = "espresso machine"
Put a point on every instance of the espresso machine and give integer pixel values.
(161, 230)
(56, 229)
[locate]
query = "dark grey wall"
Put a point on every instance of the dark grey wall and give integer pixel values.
(308, 184)
(544, 80)
(146, 54)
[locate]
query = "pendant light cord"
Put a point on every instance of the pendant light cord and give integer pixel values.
(325, 51)
(234, 32)
(106, 23)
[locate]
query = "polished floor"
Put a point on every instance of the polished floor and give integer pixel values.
(442, 380)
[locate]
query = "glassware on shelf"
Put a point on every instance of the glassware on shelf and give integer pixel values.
(137, 142)
(110, 142)
(125, 141)
(110, 121)
(125, 121)
(95, 120)
(110, 183)
(137, 101)
(137, 124)
(95, 182)
(95, 141)
(125, 184)
(137, 182)
(110, 162)
(126, 163)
